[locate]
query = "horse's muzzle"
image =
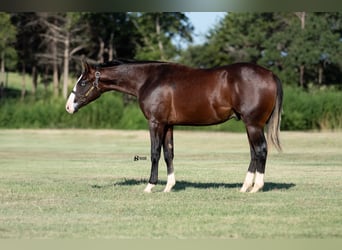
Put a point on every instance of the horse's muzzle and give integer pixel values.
(71, 108)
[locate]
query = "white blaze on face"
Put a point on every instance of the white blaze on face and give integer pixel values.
(70, 104)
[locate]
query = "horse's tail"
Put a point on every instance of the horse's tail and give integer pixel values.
(273, 124)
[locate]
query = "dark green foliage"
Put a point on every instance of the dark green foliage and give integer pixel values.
(106, 112)
(158, 32)
(278, 42)
(8, 54)
(312, 110)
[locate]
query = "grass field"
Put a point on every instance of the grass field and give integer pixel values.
(85, 184)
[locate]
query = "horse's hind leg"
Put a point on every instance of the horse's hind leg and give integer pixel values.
(168, 156)
(258, 148)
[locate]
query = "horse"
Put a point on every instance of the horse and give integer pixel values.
(172, 94)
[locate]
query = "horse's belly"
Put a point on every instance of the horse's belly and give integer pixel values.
(201, 114)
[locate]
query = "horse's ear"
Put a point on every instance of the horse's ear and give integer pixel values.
(85, 65)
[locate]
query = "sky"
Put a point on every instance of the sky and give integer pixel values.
(203, 22)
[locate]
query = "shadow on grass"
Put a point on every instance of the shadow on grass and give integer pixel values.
(182, 185)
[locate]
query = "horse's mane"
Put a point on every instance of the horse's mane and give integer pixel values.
(120, 61)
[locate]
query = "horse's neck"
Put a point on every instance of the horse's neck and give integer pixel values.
(128, 78)
(123, 79)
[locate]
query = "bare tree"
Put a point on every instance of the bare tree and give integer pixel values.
(157, 30)
(51, 23)
(73, 43)
(301, 16)
(61, 41)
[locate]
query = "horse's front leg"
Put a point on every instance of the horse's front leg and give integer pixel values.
(157, 131)
(168, 156)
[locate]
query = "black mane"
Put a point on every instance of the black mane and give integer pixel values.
(117, 62)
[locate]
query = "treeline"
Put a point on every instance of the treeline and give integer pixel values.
(45, 49)
(302, 48)
(49, 45)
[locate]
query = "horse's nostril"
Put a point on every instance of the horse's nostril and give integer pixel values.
(69, 109)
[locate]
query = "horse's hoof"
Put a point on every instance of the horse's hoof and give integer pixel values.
(245, 188)
(171, 182)
(148, 188)
(256, 188)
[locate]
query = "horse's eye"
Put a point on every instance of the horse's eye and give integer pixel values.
(83, 83)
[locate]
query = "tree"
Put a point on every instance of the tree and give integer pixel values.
(62, 37)
(27, 44)
(301, 16)
(300, 50)
(111, 35)
(73, 39)
(7, 39)
(305, 47)
(238, 37)
(242, 36)
(157, 31)
(50, 54)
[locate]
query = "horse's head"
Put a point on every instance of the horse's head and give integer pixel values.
(85, 90)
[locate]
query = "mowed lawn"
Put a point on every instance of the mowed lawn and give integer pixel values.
(86, 184)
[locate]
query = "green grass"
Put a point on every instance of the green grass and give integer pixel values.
(85, 184)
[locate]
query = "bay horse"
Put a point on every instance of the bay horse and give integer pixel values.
(173, 94)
